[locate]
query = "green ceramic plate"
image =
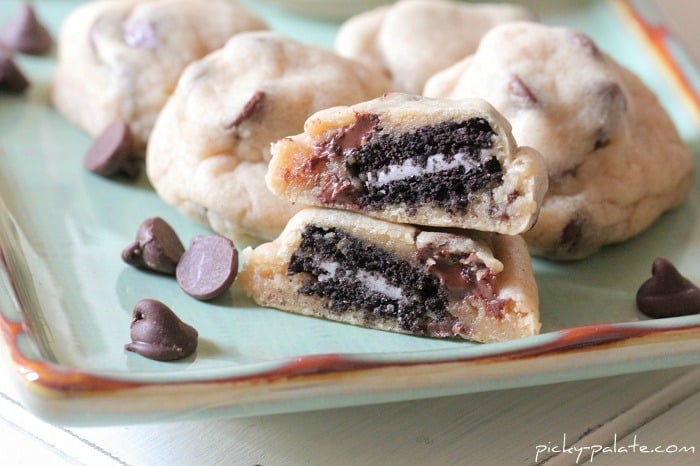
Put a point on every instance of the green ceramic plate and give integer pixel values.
(66, 297)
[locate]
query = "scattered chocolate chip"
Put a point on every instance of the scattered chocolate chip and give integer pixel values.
(112, 152)
(249, 109)
(157, 247)
(208, 266)
(157, 333)
(24, 33)
(11, 77)
(667, 293)
(517, 87)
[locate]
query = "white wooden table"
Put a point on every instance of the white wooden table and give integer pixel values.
(509, 427)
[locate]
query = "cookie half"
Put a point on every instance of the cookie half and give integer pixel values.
(352, 268)
(410, 159)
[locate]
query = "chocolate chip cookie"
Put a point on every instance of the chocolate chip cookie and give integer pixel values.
(413, 39)
(615, 160)
(210, 147)
(120, 60)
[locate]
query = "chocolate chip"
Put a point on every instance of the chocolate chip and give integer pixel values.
(571, 235)
(334, 189)
(667, 293)
(517, 88)
(249, 109)
(208, 266)
(24, 33)
(586, 43)
(157, 247)
(112, 152)
(157, 333)
(11, 77)
(352, 136)
(139, 33)
(613, 108)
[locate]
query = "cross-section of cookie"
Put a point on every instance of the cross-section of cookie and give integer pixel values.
(348, 267)
(210, 147)
(413, 39)
(614, 158)
(120, 60)
(410, 159)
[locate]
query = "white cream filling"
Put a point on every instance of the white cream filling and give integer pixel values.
(435, 163)
(370, 280)
(330, 268)
(376, 282)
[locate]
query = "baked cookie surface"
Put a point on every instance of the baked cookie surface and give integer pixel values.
(122, 59)
(413, 39)
(411, 159)
(210, 147)
(614, 157)
(352, 268)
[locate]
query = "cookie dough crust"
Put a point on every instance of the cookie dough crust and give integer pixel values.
(267, 279)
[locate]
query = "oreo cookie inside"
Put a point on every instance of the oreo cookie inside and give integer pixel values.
(440, 165)
(353, 274)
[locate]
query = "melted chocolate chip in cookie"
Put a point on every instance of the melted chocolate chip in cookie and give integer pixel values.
(157, 247)
(521, 92)
(667, 293)
(157, 333)
(586, 43)
(140, 33)
(25, 34)
(251, 107)
(208, 267)
(613, 108)
(112, 152)
(11, 77)
(571, 235)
